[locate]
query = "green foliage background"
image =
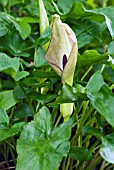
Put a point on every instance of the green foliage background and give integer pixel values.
(33, 134)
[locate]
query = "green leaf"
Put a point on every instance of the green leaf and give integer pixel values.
(49, 6)
(45, 144)
(92, 131)
(91, 3)
(7, 99)
(20, 75)
(13, 130)
(8, 84)
(32, 7)
(70, 94)
(78, 11)
(45, 74)
(13, 44)
(22, 110)
(102, 14)
(39, 60)
(103, 101)
(107, 148)
(108, 12)
(6, 62)
(60, 136)
(65, 6)
(33, 82)
(95, 83)
(11, 66)
(90, 57)
(3, 29)
(23, 28)
(14, 2)
(2, 126)
(79, 153)
(43, 98)
(111, 48)
(4, 2)
(44, 38)
(3, 116)
(5, 24)
(19, 93)
(108, 73)
(87, 30)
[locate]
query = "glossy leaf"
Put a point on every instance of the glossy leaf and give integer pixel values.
(4, 2)
(95, 83)
(86, 30)
(108, 73)
(14, 2)
(32, 82)
(3, 116)
(111, 48)
(103, 102)
(43, 98)
(90, 57)
(20, 93)
(5, 24)
(45, 144)
(2, 126)
(8, 63)
(20, 75)
(39, 60)
(9, 132)
(78, 11)
(13, 44)
(70, 94)
(102, 14)
(44, 38)
(101, 98)
(65, 6)
(22, 110)
(23, 28)
(7, 99)
(8, 84)
(79, 153)
(108, 12)
(32, 7)
(107, 148)
(44, 74)
(3, 29)
(11, 66)
(91, 131)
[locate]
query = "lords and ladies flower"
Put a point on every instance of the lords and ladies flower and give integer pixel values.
(62, 56)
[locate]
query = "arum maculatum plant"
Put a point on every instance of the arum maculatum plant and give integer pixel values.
(62, 56)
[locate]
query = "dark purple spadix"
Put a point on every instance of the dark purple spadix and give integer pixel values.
(64, 60)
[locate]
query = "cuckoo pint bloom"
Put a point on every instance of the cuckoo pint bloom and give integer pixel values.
(62, 51)
(62, 56)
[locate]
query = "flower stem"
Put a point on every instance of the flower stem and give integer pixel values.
(86, 73)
